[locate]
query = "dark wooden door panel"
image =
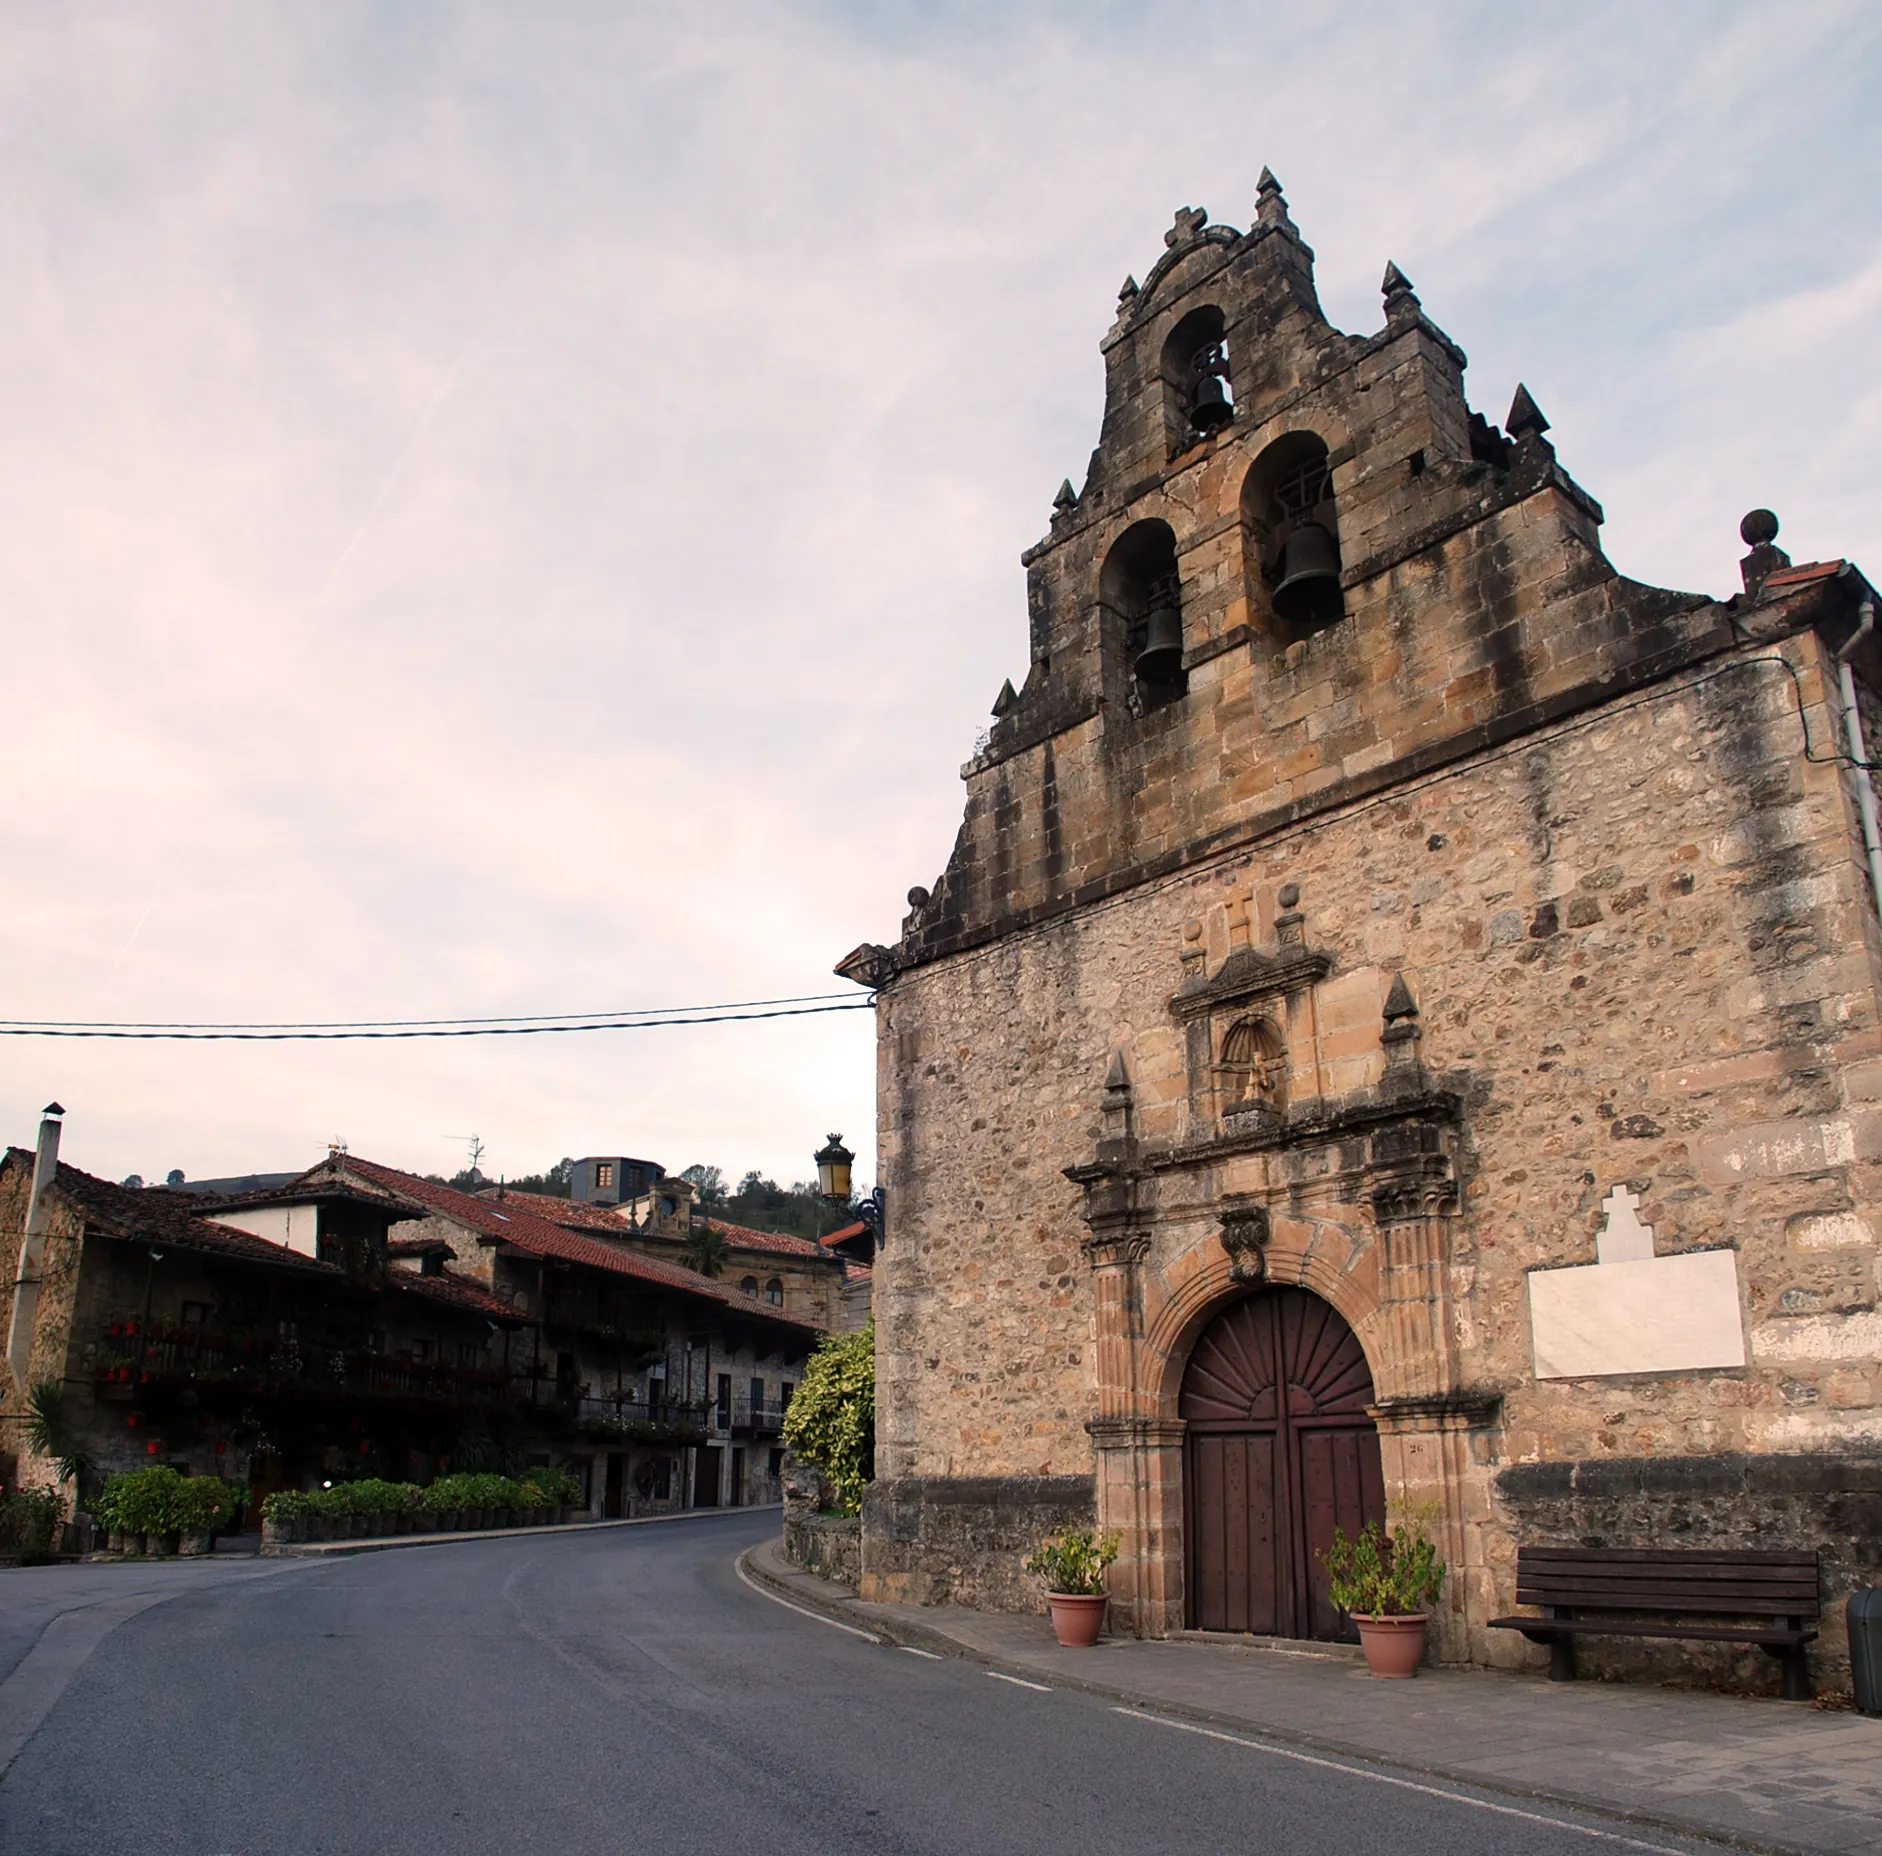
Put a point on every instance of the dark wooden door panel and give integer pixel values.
(1280, 1453)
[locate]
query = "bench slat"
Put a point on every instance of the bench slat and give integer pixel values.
(1564, 1592)
(1677, 1556)
(1595, 1627)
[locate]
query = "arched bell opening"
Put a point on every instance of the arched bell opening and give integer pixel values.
(1291, 537)
(1142, 593)
(1198, 388)
(1279, 1450)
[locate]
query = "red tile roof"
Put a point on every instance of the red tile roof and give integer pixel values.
(1787, 578)
(572, 1214)
(456, 1292)
(779, 1243)
(153, 1215)
(511, 1223)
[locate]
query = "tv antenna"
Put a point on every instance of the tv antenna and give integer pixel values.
(475, 1143)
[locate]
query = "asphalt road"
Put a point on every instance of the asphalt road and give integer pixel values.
(624, 1690)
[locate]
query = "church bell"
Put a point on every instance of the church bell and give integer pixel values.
(1210, 409)
(1309, 589)
(1161, 656)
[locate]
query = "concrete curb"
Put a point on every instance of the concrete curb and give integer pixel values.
(337, 1549)
(764, 1567)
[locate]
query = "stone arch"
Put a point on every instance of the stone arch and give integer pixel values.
(1141, 594)
(1172, 1325)
(1288, 504)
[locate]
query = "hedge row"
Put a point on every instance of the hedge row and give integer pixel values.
(541, 1488)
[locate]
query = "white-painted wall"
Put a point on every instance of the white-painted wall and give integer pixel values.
(296, 1226)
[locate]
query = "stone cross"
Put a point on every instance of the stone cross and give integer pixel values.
(1190, 221)
(1623, 1238)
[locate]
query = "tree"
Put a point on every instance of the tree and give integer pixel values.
(708, 1185)
(832, 1420)
(705, 1250)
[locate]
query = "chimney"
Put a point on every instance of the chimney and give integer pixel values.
(33, 1250)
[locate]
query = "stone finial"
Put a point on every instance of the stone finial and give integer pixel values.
(1117, 1100)
(1187, 227)
(1401, 301)
(1525, 416)
(1006, 699)
(1759, 533)
(1195, 950)
(1402, 1031)
(1067, 499)
(1271, 204)
(918, 897)
(1290, 926)
(1127, 293)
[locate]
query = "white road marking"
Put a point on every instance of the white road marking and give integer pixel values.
(934, 1656)
(1018, 1681)
(815, 1616)
(1410, 1785)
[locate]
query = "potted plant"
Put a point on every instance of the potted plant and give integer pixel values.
(1387, 1583)
(1072, 1566)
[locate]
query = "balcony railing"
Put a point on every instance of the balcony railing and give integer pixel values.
(132, 1355)
(762, 1419)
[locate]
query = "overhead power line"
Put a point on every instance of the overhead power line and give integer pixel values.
(537, 1025)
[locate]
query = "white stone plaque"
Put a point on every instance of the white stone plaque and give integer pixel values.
(1634, 1312)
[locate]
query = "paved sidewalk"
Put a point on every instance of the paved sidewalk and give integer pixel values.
(1764, 1775)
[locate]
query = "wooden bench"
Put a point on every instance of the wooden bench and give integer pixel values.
(1589, 1591)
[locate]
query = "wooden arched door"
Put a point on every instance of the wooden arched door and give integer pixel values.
(1279, 1452)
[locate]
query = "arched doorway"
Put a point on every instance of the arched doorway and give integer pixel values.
(1279, 1452)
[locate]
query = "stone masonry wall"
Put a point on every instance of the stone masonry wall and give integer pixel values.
(1642, 947)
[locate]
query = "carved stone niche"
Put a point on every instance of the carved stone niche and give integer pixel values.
(1235, 1029)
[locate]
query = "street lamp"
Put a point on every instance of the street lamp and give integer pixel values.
(833, 1182)
(833, 1170)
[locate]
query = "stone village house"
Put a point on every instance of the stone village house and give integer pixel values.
(362, 1321)
(1399, 1021)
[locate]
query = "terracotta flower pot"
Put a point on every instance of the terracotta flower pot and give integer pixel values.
(1077, 1617)
(1394, 1646)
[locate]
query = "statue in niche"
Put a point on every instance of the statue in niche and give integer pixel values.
(1252, 1074)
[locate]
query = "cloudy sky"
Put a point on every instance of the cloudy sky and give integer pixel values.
(515, 509)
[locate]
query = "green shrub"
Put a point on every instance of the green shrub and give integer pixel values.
(158, 1500)
(1073, 1563)
(30, 1520)
(832, 1420)
(1385, 1575)
(286, 1506)
(559, 1488)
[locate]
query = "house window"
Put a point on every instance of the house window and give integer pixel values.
(725, 1401)
(784, 1395)
(376, 1341)
(195, 1314)
(774, 1293)
(749, 1286)
(757, 1397)
(468, 1352)
(421, 1351)
(604, 1172)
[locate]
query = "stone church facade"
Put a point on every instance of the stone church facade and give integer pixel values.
(1399, 1023)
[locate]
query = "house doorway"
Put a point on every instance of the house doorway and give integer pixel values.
(1279, 1451)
